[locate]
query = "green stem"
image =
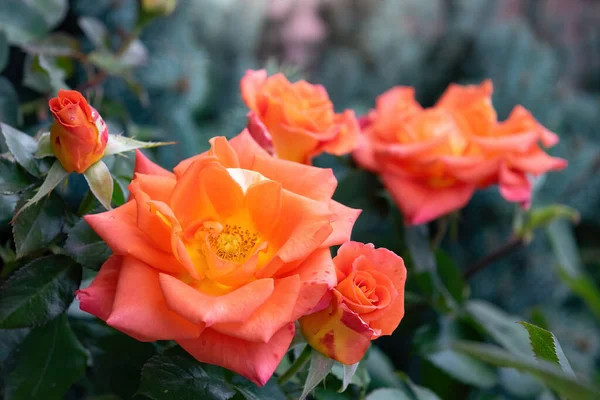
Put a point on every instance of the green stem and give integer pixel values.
(296, 366)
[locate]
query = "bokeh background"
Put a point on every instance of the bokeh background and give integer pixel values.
(181, 83)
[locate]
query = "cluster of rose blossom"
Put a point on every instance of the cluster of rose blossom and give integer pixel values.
(227, 252)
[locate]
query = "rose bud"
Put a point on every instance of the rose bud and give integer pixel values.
(79, 135)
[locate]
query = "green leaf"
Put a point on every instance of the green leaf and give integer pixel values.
(55, 176)
(570, 267)
(427, 275)
(389, 394)
(549, 373)
(101, 183)
(12, 178)
(86, 247)
(94, 30)
(177, 375)
(464, 368)
(46, 74)
(10, 112)
(546, 347)
(38, 292)
(380, 368)
(451, 277)
(58, 44)
(36, 227)
(4, 51)
(44, 148)
(502, 327)
(541, 217)
(22, 147)
(49, 361)
(117, 359)
(319, 368)
(347, 374)
(9, 340)
(120, 144)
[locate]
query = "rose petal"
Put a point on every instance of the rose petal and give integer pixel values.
(98, 298)
(270, 317)
(140, 307)
(255, 361)
(421, 203)
(199, 308)
(342, 223)
(143, 165)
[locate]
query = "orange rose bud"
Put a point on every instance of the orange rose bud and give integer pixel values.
(299, 118)
(222, 255)
(79, 135)
(432, 160)
(368, 302)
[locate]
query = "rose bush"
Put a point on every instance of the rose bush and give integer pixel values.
(78, 135)
(296, 120)
(432, 160)
(367, 302)
(222, 256)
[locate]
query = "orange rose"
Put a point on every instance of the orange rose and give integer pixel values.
(299, 119)
(432, 160)
(222, 256)
(79, 135)
(367, 302)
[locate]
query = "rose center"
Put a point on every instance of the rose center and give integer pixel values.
(233, 243)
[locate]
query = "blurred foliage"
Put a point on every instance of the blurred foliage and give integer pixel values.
(176, 77)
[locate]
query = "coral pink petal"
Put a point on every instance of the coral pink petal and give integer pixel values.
(317, 275)
(97, 299)
(247, 149)
(342, 223)
(200, 308)
(118, 228)
(143, 165)
(316, 183)
(514, 186)
(140, 307)
(274, 314)
(255, 361)
(421, 203)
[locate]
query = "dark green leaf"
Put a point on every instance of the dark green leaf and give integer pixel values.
(22, 147)
(451, 277)
(177, 375)
(86, 247)
(549, 373)
(546, 347)
(9, 103)
(37, 226)
(49, 361)
(250, 391)
(12, 178)
(9, 340)
(94, 30)
(4, 51)
(46, 74)
(117, 359)
(38, 292)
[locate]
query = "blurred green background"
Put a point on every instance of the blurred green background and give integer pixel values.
(180, 81)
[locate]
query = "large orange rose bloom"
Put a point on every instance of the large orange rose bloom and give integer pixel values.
(432, 160)
(79, 135)
(222, 256)
(367, 302)
(296, 120)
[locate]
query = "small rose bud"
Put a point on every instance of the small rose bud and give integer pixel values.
(159, 7)
(79, 135)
